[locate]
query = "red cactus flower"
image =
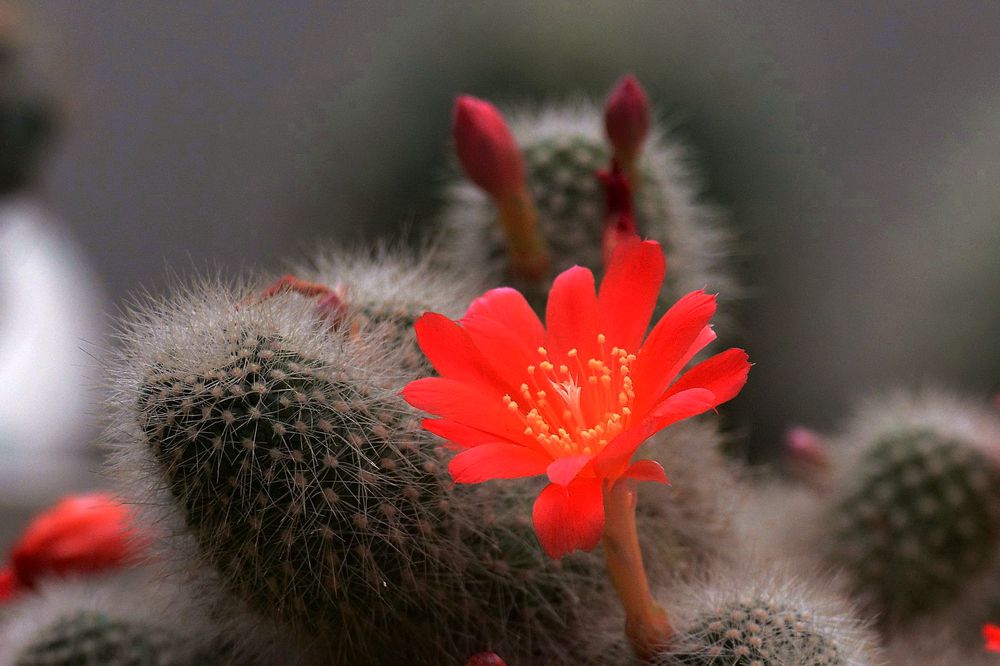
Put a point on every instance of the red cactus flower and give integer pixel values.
(80, 534)
(991, 634)
(626, 118)
(574, 399)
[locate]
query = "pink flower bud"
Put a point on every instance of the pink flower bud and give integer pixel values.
(486, 148)
(807, 454)
(626, 118)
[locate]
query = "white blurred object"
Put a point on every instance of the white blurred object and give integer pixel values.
(49, 326)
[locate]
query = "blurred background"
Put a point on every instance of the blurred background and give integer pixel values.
(854, 145)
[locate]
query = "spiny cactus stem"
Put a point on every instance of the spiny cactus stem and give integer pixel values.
(529, 256)
(646, 623)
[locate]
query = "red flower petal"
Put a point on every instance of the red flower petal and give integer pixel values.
(571, 315)
(466, 404)
(452, 352)
(671, 344)
(564, 470)
(724, 375)
(506, 330)
(646, 470)
(612, 461)
(629, 291)
(569, 518)
(462, 436)
(496, 461)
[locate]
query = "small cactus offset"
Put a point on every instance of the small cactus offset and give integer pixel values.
(383, 293)
(564, 148)
(313, 492)
(915, 508)
(116, 621)
(764, 620)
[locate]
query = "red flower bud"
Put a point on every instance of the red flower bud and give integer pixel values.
(991, 634)
(485, 659)
(486, 148)
(82, 533)
(626, 118)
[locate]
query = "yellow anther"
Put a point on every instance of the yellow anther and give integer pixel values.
(542, 351)
(601, 338)
(571, 353)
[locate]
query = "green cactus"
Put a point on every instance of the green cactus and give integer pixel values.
(920, 514)
(312, 491)
(96, 639)
(753, 633)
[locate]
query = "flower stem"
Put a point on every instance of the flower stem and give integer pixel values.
(529, 257)
(646, 623)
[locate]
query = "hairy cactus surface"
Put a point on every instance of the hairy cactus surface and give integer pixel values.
(279, 448)
(915, 508)
(749, 617)
(564, 148)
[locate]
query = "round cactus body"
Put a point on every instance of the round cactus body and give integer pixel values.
(280, 449)
(125, 619)
(754, 633)
(746, 615)
(919, 515)
(563, 150)
(95, 639)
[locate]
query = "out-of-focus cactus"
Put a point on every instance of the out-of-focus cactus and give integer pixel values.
(131, 620)
(563, 149)
(906, 501)
(914, 510)
(749, 617)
